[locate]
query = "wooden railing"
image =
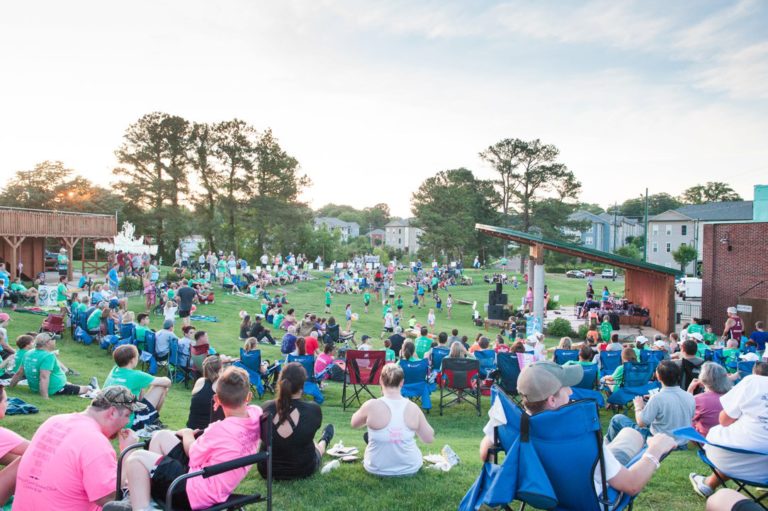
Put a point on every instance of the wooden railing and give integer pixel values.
(37, 223)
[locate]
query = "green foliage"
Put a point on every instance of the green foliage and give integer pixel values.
(447, 206)
(712, 191)
(684, 255)
(560, 327)
(553, 305)
(172, 276)
(657, 203)
(583, 329)
(130, 284)
(630, 251)
(374, 217)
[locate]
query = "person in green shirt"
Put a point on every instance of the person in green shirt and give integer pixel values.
(19, 288)
(93, 323)
(617, 378)
(709, 336)
(24, 343)
(150, 390)
(390, 353)
(606, 329)
(423, 343)
(61, 294)
(278, 319)
(44, 374)
(142, 327)
(731, 354)
(327, 300)
(366, 300)
(586, 355)
(696, 327)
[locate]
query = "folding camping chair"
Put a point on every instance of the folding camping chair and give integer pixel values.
(742, 485)
(563, 356)
(149, 353)
(251, 362)
(415, 386)
(688, 373)
(53, 324)
(436, 362)
(745, 368)
(487, 359)
(363, 368)
(609, 361)
(588, 387)
(533, 471)
(509, 372)
(235, 500)
(460, 379)
(653, 357)
(128, 333)
(311, 385)
(637, 382)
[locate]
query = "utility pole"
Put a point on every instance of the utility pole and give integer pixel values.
(615, 227)
(645, 229)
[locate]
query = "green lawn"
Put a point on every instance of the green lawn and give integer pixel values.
(350, 487)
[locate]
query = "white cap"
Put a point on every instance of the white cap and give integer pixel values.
(697, 336)
(660, 344)
(749, 357)
(731, 310)
(641, 339)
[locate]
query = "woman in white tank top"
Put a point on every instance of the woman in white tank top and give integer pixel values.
(393, 423)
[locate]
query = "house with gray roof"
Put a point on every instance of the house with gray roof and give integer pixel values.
(346, 229)
(606, 232)
(400, 234)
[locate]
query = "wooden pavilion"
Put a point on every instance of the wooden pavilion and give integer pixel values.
(23, 233)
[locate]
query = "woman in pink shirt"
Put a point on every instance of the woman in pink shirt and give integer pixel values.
(713, 380)
(170, 455)
(12, 446)
(324, 360)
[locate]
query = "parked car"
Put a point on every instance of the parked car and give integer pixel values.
(587, 272)
(51, 261)
(575, 274)
(608, 273)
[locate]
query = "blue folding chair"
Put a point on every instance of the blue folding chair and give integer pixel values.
(533, 471)
(487, 359)
(509, 372)
(653, 357)
(311, 386)
(148, 355)
(745, 368)
(111, 327)
(637, 382)
(250, 361)
(563, 356)
(609, 361)
(742, 485)
(587, 388)
(436, 362)
(128, 333)
(415, 385)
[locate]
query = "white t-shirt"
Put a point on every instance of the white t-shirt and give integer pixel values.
(747, 402)
(612, 468)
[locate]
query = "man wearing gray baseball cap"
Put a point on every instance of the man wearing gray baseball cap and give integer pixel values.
(547, 386)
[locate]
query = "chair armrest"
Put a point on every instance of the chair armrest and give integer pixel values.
(120, 457)
(226, 466)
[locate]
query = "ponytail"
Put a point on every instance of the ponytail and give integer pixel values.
(291, 381)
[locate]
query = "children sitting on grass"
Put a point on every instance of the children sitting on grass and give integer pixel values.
(150, 473)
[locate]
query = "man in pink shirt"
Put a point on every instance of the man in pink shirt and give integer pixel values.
(70, 463)
(170, 455)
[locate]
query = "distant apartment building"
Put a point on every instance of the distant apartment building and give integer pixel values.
(606, 232)
(346, 229)
(685, 226)
(400, 234)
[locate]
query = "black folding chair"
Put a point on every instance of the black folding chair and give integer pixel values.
(461, 382)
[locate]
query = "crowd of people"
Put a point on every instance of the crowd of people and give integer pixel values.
(725, 406)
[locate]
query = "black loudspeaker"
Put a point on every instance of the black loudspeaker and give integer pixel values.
(496, 312)
(492, 297)
(501, 299)
(498, 288)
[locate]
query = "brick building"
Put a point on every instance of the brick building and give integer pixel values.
(735, 272)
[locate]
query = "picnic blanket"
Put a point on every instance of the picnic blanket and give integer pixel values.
(199, 317)
(32, 310)
(17, 406)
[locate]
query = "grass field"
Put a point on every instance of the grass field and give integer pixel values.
(350, 487)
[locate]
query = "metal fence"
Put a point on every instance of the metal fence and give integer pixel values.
(686, 311)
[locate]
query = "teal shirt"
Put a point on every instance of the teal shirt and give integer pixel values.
(41, 360)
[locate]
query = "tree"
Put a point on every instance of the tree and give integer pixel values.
(376, 217)
(684, 255)
(153, 175)
(447, 206)
(712, 191)
(657, 203)
(202, 159)
(631, 251)
(592, 208)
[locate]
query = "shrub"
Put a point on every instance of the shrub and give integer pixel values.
(583, 329)
(172, 276)
(130, 284)
(553, 305)
(560, 327)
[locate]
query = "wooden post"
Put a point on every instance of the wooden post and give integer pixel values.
(70, 243)
(15, 243)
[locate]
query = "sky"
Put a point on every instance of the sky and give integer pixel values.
(373, 97)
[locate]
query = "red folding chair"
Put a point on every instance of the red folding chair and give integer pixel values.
(54, 324)
(460, 383)
(363, 369)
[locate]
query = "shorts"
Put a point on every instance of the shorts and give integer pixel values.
(144, 417)
(367, 303)
(746, 505)
(184, 313)
(168, 468)
(389, 329)
(69, 390)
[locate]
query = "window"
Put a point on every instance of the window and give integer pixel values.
(655, 247)
(684, 230)
(668, 229)
(399, 241)
(588, 240)
(669, 247)
(655, 229)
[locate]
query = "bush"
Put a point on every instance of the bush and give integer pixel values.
(172, 276)
(553, 305)
(555, 268)
(583, 329)
(560, 327)
(130, 284)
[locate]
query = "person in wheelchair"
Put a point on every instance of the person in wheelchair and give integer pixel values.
(547, 386)
(149, 473)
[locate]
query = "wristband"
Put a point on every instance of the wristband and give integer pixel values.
(653, 459)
